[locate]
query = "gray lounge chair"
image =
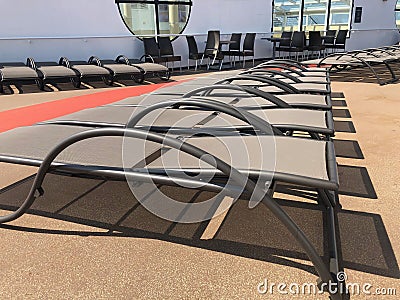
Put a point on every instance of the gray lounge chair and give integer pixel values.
(90, 69)
(149, 69)
(303, 162)
(205, 86)
(54, 71)
(120, 70)
(15, 72)
(314, 122)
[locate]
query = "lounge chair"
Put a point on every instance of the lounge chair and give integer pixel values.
(313, 122)
(53, 71)
(303, 162)
(149, 69)
(90, 69)
(300, 66)
(15, 72)
(361, 59)
(265, 84)
(119, 69)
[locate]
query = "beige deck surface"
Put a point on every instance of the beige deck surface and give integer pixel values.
(144, 257)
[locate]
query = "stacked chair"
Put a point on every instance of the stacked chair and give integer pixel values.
(280, 109)
(381, 62)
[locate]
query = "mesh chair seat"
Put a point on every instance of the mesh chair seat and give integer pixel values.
(120, 115)
(150, 67)
(119, 69)
(56, 71)
(90, 70)
(307, 160)
(276, 117)
(34, 142)
(18, 73)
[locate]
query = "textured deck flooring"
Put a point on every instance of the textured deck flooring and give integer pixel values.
(82, 243)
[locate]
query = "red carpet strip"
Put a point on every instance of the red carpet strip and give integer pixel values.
(30, 115)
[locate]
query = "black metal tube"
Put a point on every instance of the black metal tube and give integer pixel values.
(241, 114)
(249, 90)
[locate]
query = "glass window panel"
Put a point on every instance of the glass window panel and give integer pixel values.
(173, 18)
(286, 16)
(139, 17)
(340, 14)
(398, 14)
(314, 15)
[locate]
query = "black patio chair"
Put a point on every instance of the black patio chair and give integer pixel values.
(340, 43)
(152, 51)
(194, 53)
(284, 44)
(234, 47)
(298, 44)
(248, 47)
(212, 50)
(315, 43)
(167, 51)
(329, 39)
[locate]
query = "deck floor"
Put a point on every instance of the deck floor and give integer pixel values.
(82, 243)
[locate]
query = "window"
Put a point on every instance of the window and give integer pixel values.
(314, 15)
(397, 11)
(286, 15)
(150, 17)
(340, 12)
(311, 15)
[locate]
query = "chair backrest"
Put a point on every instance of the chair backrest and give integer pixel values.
(315, 38)
(151, 47)
(330, 37)
(298, 39)
(192, 45)
(165, 45)
(248, 43)
(287, 36)
(341, 37)
(213, 42)
(235, 37)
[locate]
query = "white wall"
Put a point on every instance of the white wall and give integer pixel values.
(48, 29)
(377, 27)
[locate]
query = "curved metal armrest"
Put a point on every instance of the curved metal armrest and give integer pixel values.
(206, 90)
(94, 60)
(30, 62)
(122, 59)
(241, 114)
(273, 72)
(64, 62)
(289, 62)
(267, 80)
(147, 55)
(280, 66)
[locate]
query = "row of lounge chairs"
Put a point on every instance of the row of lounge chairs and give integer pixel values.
(76, 71)
(367, 58)
(280, 120)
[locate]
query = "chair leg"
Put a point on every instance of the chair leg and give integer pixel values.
(195, 68)
(188, 64)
